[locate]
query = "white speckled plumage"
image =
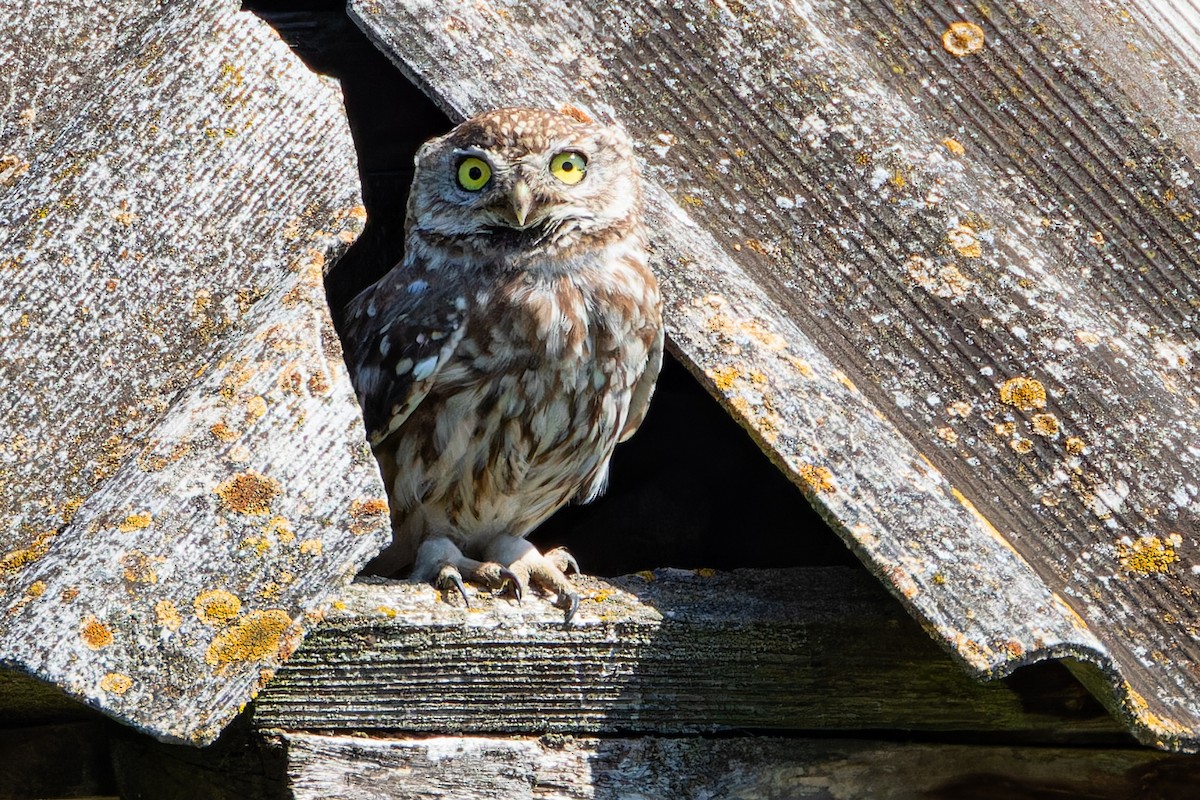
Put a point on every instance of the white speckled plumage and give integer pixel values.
(516, 344)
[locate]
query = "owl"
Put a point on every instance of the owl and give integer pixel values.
(500, 363)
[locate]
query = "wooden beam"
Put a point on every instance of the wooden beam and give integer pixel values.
(771, 768)
(670, 652)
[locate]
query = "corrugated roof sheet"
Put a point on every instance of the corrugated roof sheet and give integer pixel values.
(183, 477)
(942, 262)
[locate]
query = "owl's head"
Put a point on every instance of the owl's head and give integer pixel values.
(521, 177)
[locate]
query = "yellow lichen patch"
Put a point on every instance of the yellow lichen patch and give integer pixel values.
(216, 606)
(964, 239)
(281, 528)
(366, 513)
(71, 508)
(116, 683)
(223, 432)
(36, 589)
(1021, 445)
(167, 614)
(1024, 393)
(15, 560)
(259, 544)
(1044, 424)
(248, 493)
(95, 634)
(255, 636)
(69, 594)
(1149, 554)
(723, 378)
(312, 547)
(963, 39)
(256, 408)
(1074, 445)
(135, 522)
(705, 572)
(646, 575)
(386, 611)
(819, 479)
(953, 145)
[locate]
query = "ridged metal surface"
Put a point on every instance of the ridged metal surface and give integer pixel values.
(942, 261)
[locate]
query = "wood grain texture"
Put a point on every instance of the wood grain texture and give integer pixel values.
(942, 264)
(183, 476)
(667, 652)
(750, 768)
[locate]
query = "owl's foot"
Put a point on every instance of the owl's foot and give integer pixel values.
(440, 562)
(546, 572)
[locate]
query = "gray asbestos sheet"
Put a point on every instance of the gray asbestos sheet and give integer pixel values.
(941, 261)
(183, 475)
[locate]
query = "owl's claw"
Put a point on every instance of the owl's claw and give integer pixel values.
(569, 603)
(561, 558)
(449, 578)
(509, 579)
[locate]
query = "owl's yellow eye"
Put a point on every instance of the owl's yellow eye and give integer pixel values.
(568, 167)
(473, 173)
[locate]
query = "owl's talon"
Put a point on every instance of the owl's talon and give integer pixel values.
(449, 578)
(509, 579)
(569, 603)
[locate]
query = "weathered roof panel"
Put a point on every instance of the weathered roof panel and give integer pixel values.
(943, 264)
(183, 476)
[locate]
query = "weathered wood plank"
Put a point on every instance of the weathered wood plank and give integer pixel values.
(801, 649)
(183, 476)
(749, 768)
(941, 261)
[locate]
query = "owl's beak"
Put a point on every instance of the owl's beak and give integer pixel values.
(521, 198)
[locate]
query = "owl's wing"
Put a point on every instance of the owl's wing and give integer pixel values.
(399, 333)
(639, 401)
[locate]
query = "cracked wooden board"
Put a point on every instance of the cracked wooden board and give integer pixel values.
(183, 476)
(942, 263)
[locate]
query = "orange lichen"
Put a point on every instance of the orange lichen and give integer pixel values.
(318, 383)
(959, 408)
(1149, 554)
(723, 378)
(71, 508)
(135, 522)
(312, 547)
(223, 432)
(36, 589)
(116, 683)
(953, 146)
(1021, 445)
(248, 493)
(1024, 393)
(1074, 445)
(705, 572)
(216, 606)
(255, 636)
(69, 594)
(819, 479)
(947, 434)
(575, 113)
(963, 39)
(1044, 424)
(281, 528)
(15, 560)
(95, 634)
(167, 614)
(366, 513)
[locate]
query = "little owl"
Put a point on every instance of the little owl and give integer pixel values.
(500, 363)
